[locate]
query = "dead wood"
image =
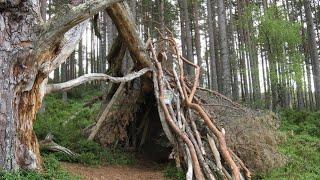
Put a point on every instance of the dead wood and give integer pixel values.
(103, 116)
(51, 88)
(49, 145)
(193, 124)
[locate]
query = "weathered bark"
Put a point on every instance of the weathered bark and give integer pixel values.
(20, 90)
(28, 56)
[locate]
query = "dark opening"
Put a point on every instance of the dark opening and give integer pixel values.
(151, 143)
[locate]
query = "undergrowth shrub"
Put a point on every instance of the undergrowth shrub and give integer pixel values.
(174, 173)
(301, 121)
(66, 120)
(301, 146)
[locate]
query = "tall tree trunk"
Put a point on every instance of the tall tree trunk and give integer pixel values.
(64, 79)
(43, 9)
(87, 54)
(206, 57)
(314, 56)
(103, 47)
(80, 59)
(234, 61)
(253, 51)
(183, 35)
(20, 94)
(227, 90)
(195, 12)
(213, 67)
(187, 29)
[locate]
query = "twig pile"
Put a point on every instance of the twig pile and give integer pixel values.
(202, 149)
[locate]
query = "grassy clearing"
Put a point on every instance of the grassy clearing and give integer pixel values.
(301, 145)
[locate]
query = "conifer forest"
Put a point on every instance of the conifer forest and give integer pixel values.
(160, 89)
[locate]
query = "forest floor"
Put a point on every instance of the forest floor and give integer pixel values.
(65, 120)
(137, 171)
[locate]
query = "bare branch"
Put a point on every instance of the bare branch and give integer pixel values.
(106, 112)
(91, 77)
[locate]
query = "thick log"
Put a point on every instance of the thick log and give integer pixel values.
(124, 22)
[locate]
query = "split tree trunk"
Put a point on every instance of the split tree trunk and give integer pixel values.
(20, 95)
(29, 51)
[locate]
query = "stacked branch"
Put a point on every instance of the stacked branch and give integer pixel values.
(204, 149)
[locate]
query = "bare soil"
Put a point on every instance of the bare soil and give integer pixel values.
(139, 171)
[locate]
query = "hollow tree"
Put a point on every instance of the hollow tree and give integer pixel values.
(29, 50)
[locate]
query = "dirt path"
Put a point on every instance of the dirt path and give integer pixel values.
(115, 172)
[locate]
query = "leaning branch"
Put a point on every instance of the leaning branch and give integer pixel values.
(124, 22)
(51, 88)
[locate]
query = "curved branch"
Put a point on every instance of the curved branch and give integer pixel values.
(55, 28)
(91, 77)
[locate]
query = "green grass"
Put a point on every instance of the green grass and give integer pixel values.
(52, 170)
(301, 145)
(172, 172)
(301, 142)
(68, 131)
